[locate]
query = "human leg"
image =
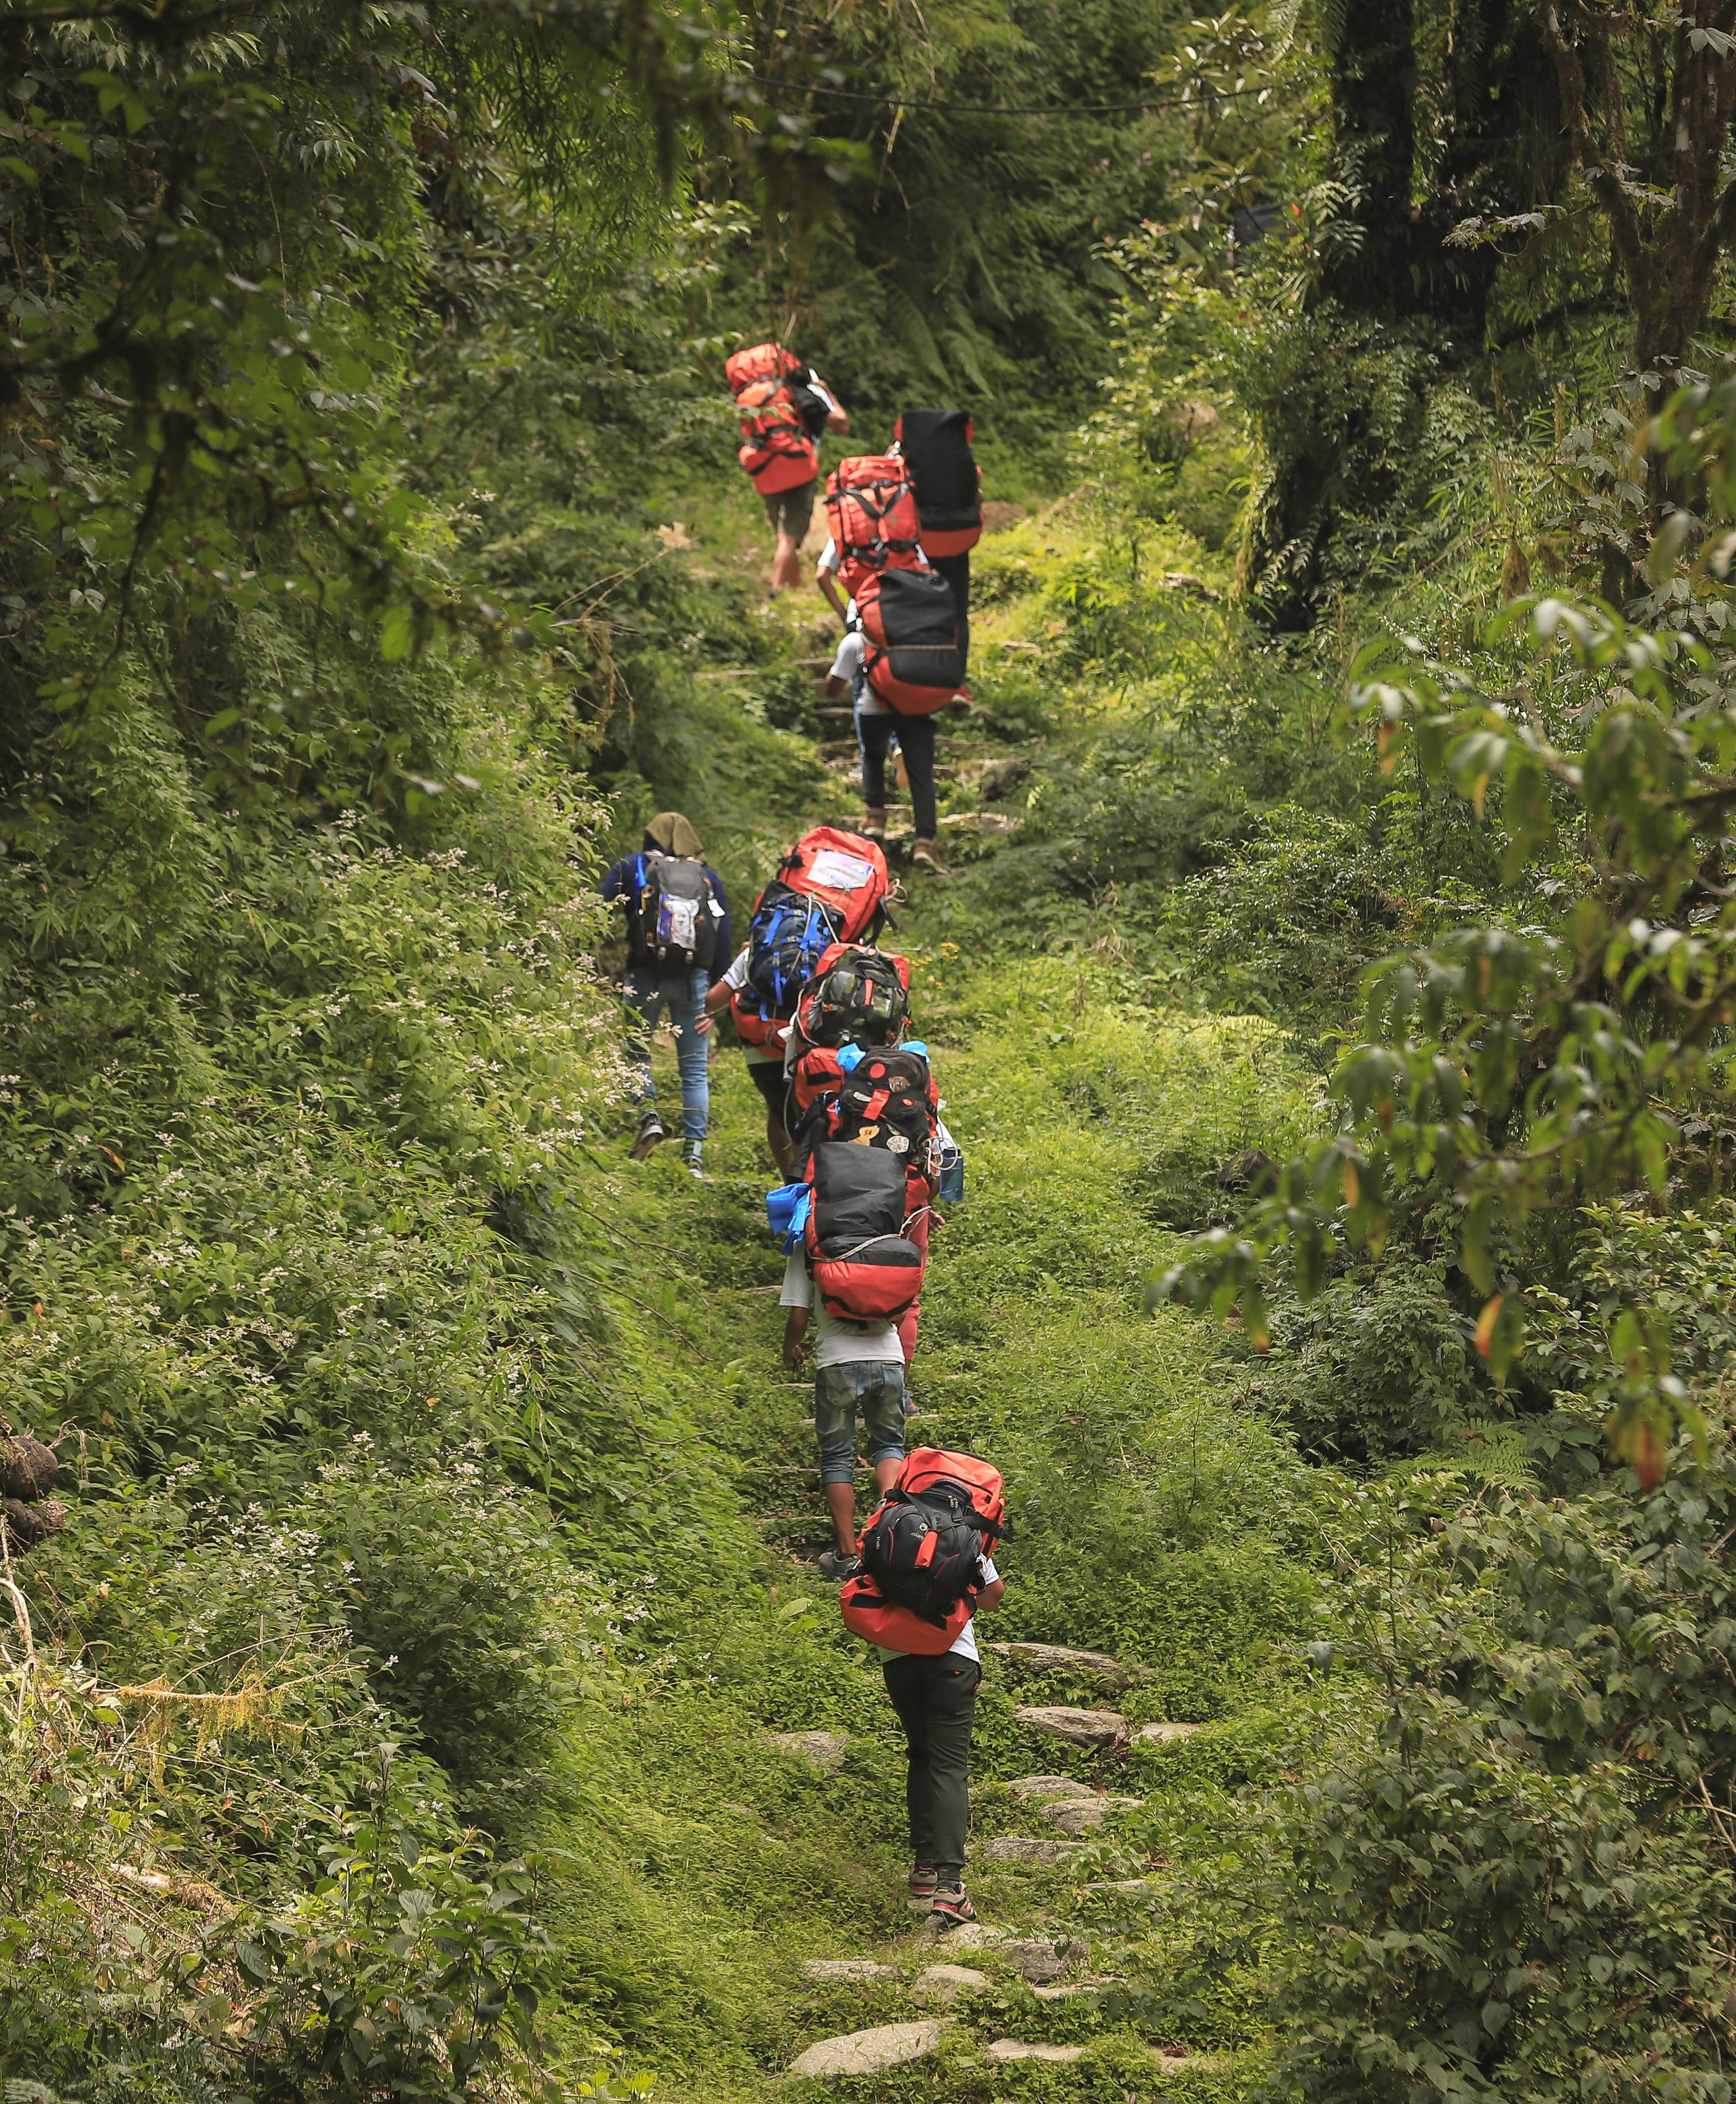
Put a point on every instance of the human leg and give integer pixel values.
(685, 996)
(835, 1432)
(874, 733)
(789, 511)
(915, 741)
(935, 1698)
(881, 1402)
(642, 996)
(768, 1078)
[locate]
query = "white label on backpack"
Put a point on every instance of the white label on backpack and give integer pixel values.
(678, 923)
(838, 872)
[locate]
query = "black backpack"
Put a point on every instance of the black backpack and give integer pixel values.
(935, 445)
(857, 997)
(886, 1101)
(677, 912)
(923, 1552)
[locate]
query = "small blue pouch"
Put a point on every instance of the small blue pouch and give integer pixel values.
(787, 1210)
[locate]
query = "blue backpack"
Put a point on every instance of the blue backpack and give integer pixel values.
(790, 932)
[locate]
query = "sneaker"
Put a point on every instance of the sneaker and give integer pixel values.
(927, 855)
(693, 1161)
(952, 1906)
(651, 1137)
(922, 1881)
(873, 825)
(834, 1563)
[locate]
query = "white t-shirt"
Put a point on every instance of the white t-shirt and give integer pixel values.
(735, 978)
(964, 1644)
(847, 665)
(840, 1343)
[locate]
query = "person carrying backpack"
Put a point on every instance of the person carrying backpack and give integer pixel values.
(935, 446)
(830, 885)
(785, 408)
(677, 935)
(926, 1571)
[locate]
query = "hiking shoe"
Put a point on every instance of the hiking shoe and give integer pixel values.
(922, 1881)
(927, 855)
(833, 1564)
(651, 1137)
(873, 825)
(693, 1161)
(952, 1906)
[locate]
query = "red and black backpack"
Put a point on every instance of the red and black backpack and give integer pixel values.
(886, 1097)
(909, 622)
(922, 1551)
(934, 445)
(871, 513)
(858, 996)
(864, 1268)
(831, 888)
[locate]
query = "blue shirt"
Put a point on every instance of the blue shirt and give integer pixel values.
(623, 881)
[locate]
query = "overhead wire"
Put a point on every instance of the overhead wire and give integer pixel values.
(1004, 110)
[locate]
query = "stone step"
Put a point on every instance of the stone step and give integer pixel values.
(946, 1983)
(1084, 1815)
(847, 1969)
(1018, 2049)
(1042, 1959)
(1026, 1848)
(870, 2051)
(1097, 1730)
(1059, 1658)
(1035, 1789)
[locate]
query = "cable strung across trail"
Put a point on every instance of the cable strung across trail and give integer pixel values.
(1004, 110)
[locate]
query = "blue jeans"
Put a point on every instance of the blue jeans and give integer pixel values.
(874, 1387)
(649, 992)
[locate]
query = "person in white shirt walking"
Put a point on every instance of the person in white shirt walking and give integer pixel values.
(858, 1371)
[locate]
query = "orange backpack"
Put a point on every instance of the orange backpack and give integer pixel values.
(958, 1486)
(775, 450)
(844, 875)
(760, 361)
(871, 513)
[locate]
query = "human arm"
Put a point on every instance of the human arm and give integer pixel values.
(837, 419)
(990, 1597)
(795, 1296)
(827, 581)
(721, 945)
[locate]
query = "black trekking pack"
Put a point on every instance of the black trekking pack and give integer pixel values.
(857, 995)
(923, 1553)
(677, 912)
(886, 1100)
(935, 445)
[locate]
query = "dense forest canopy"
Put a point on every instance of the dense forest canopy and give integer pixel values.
(1334, 992)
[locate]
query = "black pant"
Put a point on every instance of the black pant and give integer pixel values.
(935, 1698)
(915, 741)
(956, 569)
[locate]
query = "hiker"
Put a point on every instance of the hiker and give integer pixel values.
(765, 1062)
(902, 657)
(858, 1371)
(785, 408)
(831, 886)
(677, 927)
(877, 727)
(927, 1571)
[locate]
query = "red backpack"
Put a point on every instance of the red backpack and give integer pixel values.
(864, 1269)
(846, 876)
(760, 361)
(909, 623)
(921, 1551)
(776, 449)
(934, 445)
(871, 512)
